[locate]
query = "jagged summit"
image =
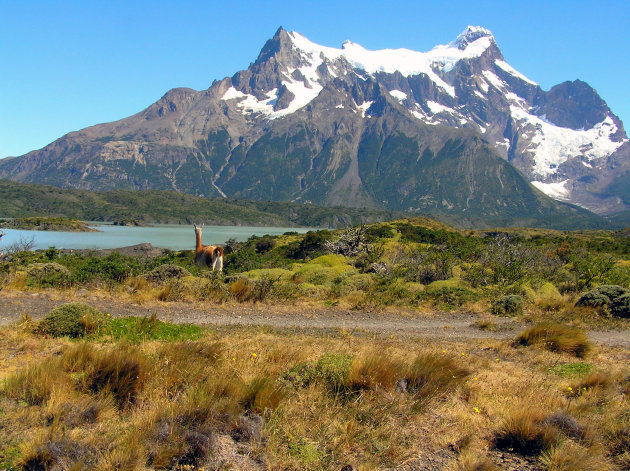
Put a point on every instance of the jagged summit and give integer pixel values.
(470, 35)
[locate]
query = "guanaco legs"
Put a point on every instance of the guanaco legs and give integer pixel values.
(207, 255)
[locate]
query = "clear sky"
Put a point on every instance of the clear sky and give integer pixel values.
(68, 64)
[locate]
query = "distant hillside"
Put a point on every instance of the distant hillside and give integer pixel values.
(27, 200)
(157, 206)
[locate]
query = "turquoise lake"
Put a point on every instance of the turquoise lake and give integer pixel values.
(168, 236)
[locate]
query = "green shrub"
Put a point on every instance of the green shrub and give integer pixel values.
(556, 338)
(332, 369)
(71, 320)
(449, 297)
(166, 272)
(620, 307)
(510, 305)
(593, 299)
(115, 267)
(613, 297)
(48, 275)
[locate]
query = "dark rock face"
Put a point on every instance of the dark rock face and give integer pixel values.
(443, 131)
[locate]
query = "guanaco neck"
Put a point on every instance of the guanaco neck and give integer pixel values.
(198, 236)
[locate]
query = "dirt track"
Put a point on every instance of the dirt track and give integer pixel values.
(402, 323)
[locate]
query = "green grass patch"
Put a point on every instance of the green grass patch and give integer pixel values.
(579, 368)
(142, 329)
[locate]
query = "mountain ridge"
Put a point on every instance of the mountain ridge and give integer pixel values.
(307, 111)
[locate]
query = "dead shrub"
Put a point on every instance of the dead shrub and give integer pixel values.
(556, 338)
(55, 453)
(566, 424)
(181, 439)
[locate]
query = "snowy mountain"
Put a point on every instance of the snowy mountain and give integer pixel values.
(438, 131)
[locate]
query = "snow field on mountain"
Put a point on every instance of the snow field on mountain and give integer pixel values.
(553, 145)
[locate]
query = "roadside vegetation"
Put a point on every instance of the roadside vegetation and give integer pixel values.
(581, 278)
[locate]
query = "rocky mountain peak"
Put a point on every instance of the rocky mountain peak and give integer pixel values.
(362, 127)
(470, 35)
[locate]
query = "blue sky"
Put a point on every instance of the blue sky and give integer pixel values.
(66, 65)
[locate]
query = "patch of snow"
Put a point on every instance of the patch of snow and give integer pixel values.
(303, 96)
(555, 190)
(495, 81)
(438, 108)
(364, 106)
(482, 129)
(586, 164)
(233, 93)
(553, 145)
(399, 95)
(484, 85)
(514, 97)
(510, 70)
(480, 95)
(340, 105)
(424, 118)
(505, 143)
(252, 105)
(405, 61)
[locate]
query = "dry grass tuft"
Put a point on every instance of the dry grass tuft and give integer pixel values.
(556, 338)
(569, 456)
(526, 433)
(433, 375)
(472, 462)
(375, 371)
(121, 373)
(33, 385)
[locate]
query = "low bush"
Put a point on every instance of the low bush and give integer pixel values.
(612, 297)
(166, 272)
(47, 275)
(449, 297)
(620, 307)
(510, 305)
(332, 369)
(556, 338)
(71, 320)
(252, 290)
